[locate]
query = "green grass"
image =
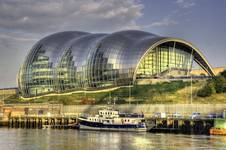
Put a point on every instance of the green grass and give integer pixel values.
(139, 94)
(177, 92)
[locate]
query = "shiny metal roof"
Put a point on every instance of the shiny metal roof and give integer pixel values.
(98, 58)
(123, 47)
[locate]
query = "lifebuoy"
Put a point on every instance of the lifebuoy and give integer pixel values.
(122, 121)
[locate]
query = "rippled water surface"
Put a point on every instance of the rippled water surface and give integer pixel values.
(55, 139)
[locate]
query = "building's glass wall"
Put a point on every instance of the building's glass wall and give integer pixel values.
(101, 70)
(165, 60)
(42, 74)
(82, 65)
(39, 75)
(66, 72)
(76, 60)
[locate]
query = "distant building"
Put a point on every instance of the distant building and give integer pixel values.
(7, 92)
(75, 60)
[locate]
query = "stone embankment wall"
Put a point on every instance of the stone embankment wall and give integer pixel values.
(149, 109)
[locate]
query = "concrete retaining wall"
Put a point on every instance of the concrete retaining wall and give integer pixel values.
(149, 109)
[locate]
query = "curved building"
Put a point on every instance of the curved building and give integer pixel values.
(74, 60)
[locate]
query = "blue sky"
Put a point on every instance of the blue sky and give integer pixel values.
(201, 22)
(24, 22)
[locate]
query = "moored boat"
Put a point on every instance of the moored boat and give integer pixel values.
(219, 127)
(109, 119)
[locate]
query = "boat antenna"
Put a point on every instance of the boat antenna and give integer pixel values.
(114, 103)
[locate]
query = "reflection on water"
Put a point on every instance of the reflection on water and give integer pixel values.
(50, 139)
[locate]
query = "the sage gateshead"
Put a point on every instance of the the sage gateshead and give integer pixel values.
(72, 60)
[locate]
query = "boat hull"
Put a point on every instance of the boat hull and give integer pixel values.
(86, 125)
(82, 127)
(216, 131)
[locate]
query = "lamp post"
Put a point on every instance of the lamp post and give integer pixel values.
(191, 91)
(129, 94)
(3, 94)
(191, 60)
(85, 92)
(109, 97)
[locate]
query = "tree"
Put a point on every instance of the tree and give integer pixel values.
(223, 74)
(215, 85)
(220, 84)
(207, 90)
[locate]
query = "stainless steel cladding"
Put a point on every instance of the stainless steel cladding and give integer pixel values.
(75, 60)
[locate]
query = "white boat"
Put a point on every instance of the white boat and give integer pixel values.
(109, 119)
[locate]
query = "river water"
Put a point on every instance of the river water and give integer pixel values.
(55, 139)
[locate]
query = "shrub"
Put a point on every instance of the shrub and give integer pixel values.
(207, 90)
(223, 74)
(220, 84)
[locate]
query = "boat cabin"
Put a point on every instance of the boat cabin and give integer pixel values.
(108, 113)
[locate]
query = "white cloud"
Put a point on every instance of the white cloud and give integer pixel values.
(17, 38)
(23, 22)
(54, 15)
(185, 3)
(166, 21)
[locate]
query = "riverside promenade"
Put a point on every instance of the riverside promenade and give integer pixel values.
(65, 116)
(13, 110)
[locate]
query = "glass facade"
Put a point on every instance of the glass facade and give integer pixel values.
(167, 59)
(37, 74)
(74, 60)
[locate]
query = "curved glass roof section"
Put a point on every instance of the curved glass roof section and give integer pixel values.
(52, 44)
(80, 60)
(73, 66)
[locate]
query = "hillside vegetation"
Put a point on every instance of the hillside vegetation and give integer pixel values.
(161, 93)
(215, 85)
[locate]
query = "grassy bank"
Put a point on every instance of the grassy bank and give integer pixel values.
(176, 92)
